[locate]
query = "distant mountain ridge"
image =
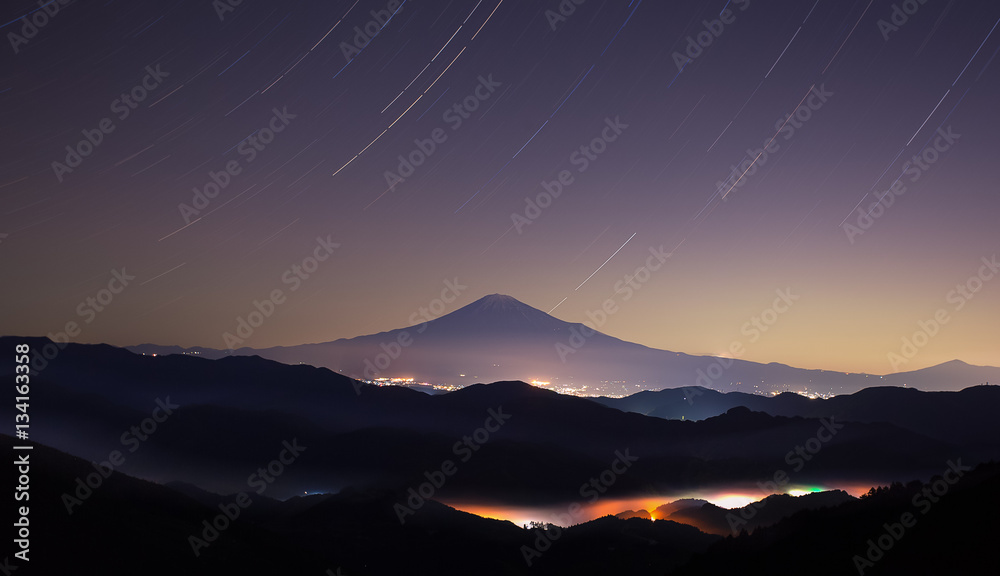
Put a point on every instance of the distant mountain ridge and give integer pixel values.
(500, 338)
(966, 416)
(234, 412)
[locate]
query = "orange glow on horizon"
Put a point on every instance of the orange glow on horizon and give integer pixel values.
(561, 515)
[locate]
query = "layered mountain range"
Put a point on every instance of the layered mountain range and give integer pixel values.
(244, 463)
(228, 416)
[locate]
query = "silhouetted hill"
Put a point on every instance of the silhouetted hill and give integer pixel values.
(232, 415)
(724, 522)
(129, 526)
(665, 510)
(633, 514)
(147, 526)
(612, 545)
(966, 416)
(947, 533)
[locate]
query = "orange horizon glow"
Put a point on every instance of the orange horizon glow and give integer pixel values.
(731, 498)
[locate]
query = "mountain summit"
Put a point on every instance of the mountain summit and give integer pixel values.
(498, 302)
(498, 312)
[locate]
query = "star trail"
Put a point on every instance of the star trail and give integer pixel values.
(846, 149)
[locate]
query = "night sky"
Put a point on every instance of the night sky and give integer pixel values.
(874, 204)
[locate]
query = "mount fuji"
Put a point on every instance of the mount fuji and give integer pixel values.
(500, 338)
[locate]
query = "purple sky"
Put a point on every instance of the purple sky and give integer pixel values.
(301, 117)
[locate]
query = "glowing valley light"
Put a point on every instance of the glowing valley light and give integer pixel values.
(733, 500)
(811, 489)
(730, 497)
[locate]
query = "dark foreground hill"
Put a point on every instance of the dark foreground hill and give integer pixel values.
(278, 432)
(128, 526)
(715, 520)
(945, 526)
(213, 423)
(124, 526)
